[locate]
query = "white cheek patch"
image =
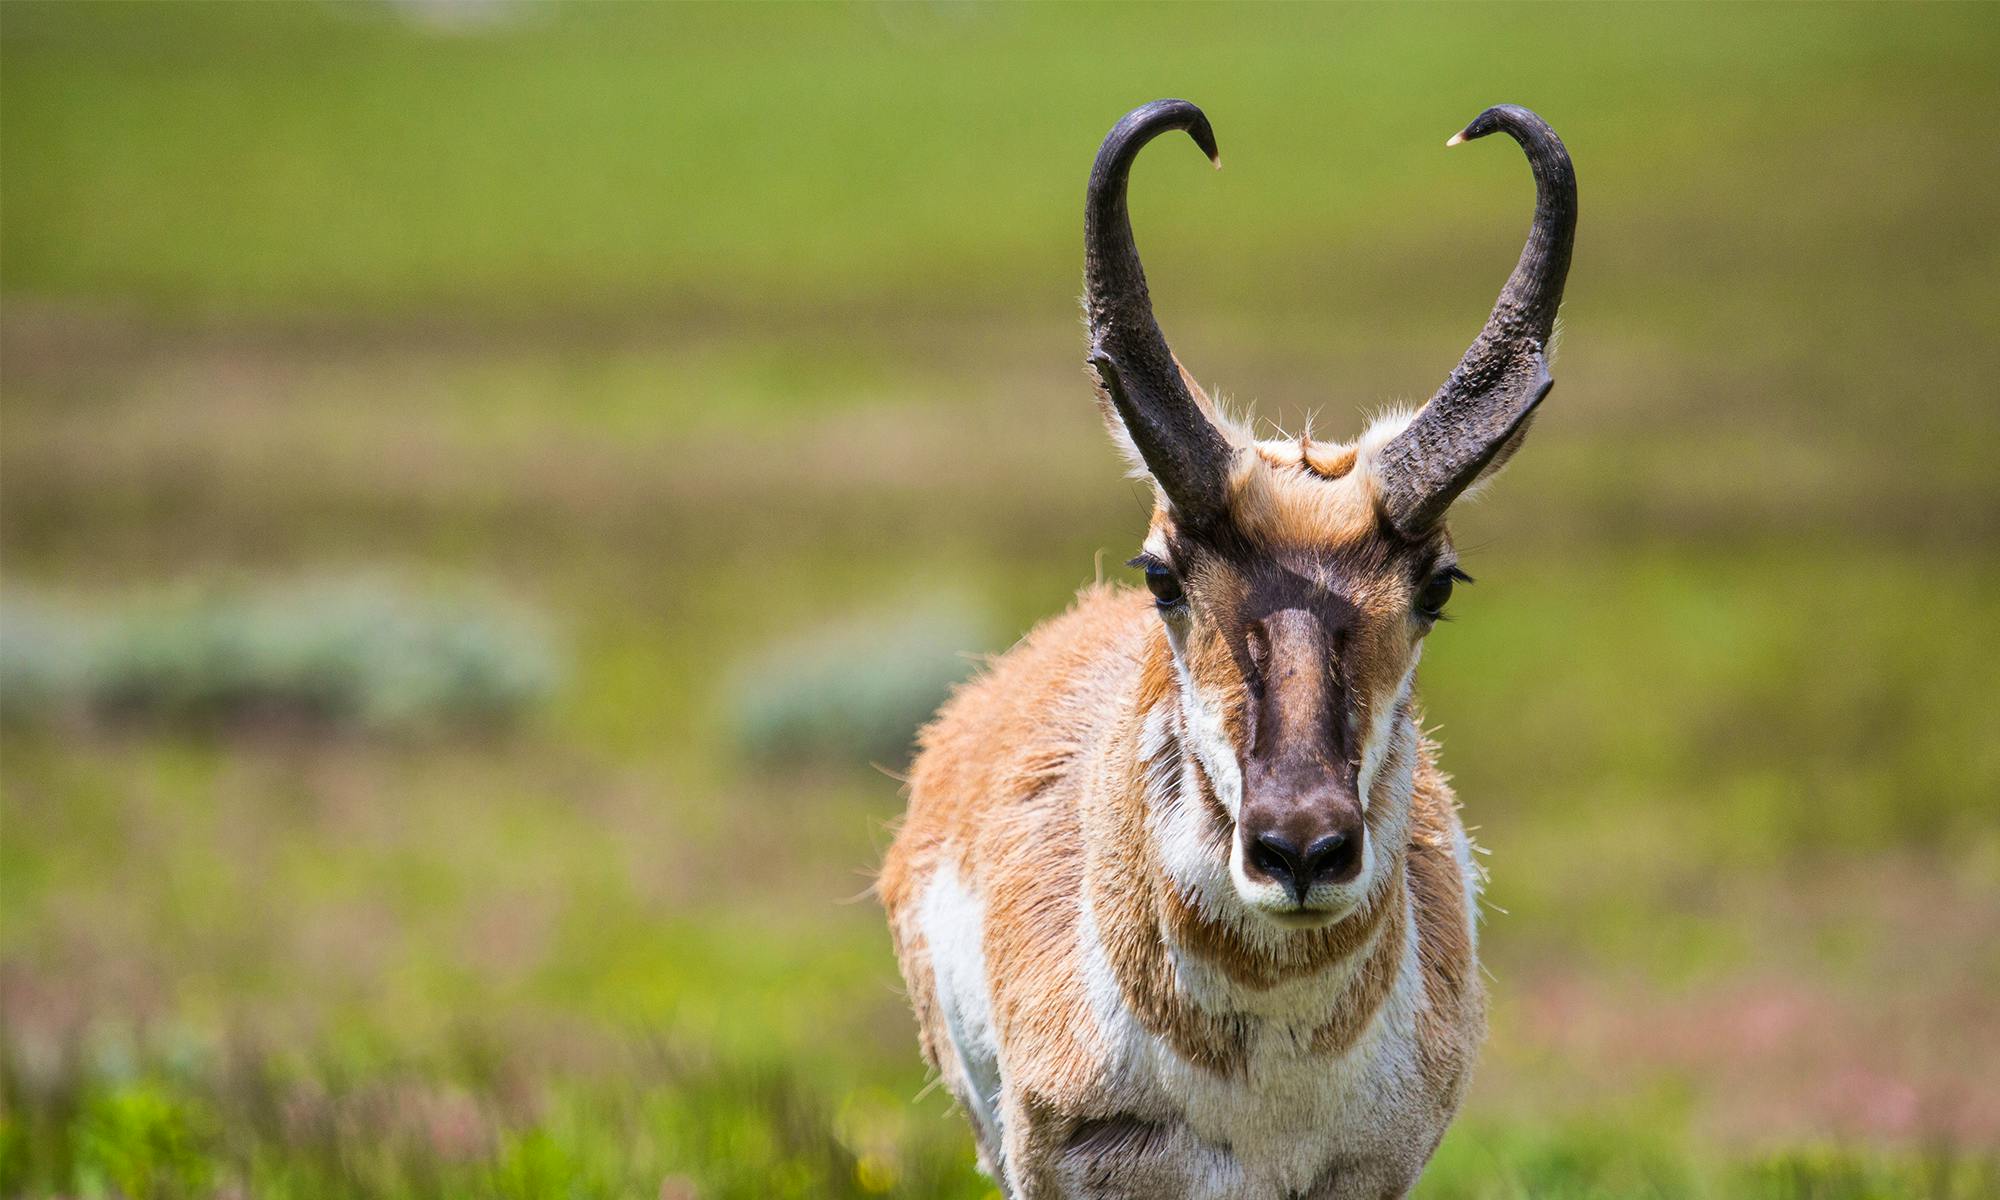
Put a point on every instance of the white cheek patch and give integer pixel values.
(1207, 736)
(1384, 720)
(1181, 826)
(1155, 737)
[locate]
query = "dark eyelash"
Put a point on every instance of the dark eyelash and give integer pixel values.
(1142, 561)
(1459, 575)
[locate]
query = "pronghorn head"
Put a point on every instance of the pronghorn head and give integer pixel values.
(1296, 579)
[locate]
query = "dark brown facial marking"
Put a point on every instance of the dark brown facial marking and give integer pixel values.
(1301, 816)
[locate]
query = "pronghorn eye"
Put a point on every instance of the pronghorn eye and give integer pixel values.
(1436, 592)
(1164, 584)
(1160, 580)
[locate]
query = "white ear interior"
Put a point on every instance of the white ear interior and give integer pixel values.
(1394, 421)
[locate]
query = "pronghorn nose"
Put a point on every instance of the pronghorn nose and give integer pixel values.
(1335, 858)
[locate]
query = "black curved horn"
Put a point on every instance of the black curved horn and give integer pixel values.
(1479, 416)
(1139, 375)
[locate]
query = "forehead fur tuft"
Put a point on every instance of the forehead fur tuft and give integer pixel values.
(1298, 492)
(1284, 490)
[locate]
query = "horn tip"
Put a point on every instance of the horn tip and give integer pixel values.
(1204, 136)
(1454, 140)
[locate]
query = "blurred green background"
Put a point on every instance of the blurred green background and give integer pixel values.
(486, 491)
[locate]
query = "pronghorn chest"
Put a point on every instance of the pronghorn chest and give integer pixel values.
(1291, 1122)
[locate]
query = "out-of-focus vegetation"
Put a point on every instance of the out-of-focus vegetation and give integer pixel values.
(852, 690)
(716, 334)
(320, 656)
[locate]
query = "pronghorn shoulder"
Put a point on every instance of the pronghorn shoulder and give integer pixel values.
(995, 825)
(1013, 731)
(1043, 701)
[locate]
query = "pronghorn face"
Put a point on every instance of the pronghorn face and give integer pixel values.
(1297, 581)
(1295, 626)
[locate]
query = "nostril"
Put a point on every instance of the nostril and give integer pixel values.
(1335, 858)
(1277, 858)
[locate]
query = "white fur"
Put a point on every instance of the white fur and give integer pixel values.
(1474, 877)
(1383, 716)
(1175, 817)
(1207, 737)
(953, 921)
(1380, 432)
(1275, 1130)
(1127, 1048)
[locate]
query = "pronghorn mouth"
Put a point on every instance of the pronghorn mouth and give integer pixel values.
(1305, 918)
(1310, 915)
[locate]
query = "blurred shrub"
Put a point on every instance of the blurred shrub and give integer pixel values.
(361, 654)
(43, 662)
(856, 690)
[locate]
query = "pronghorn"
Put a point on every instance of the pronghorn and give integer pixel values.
(1182, 899)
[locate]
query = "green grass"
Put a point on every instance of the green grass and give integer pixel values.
(598, 157)
(719, 334)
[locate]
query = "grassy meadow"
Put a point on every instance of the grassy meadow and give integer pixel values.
(486, 488)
